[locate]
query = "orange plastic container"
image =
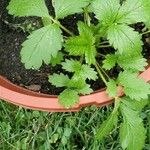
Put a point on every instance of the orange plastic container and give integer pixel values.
(36, 101)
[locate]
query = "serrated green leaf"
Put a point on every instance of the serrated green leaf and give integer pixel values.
(124, 38)
(134, 87)
(132, 137)
(110, 61)
(82, 44)
(85, 29)
(112, 88)
(68, 98)
(89, 72)
(129, 12)
(64, 8)
(128, 61)
(106, 11)
(28, 8)
(71, 65)
(78, 46)
(134, 62)
(41, 45)
(133, 104)
(82, 71)
(132, 131)
(85, 89)
(79, 85)
(90, 55)
(76, 83)
(57, 60)
(59, 80)
(107, 126)
(132, 11)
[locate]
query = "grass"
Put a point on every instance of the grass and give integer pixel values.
(22, 129)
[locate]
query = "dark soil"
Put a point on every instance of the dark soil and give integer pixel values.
(10, 45)
(11, 67)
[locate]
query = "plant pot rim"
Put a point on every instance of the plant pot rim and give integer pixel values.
(36, 101)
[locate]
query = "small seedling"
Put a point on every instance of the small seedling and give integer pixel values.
(114, 28)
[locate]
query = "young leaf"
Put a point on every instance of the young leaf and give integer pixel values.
(82, 44)
(71, 65)
(106, 11)
(28, 8)
(64, 8)
(68, 98)
(112, 88)
(84, 30)
(59, 80)
(124, 38)
(132, 11)
(107, 126)
(79, 85)
(89, 72)
(134, 87)
(85, 89)
(57, 60)
(82, 71)
(110, 61)
(41, 45)
(132, 131)
(78, 46)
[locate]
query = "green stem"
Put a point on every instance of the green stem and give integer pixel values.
(117, 104)
(105, 42)
(87, 18)
(61, 26)
(146, 32)
(100, 73)
(65, 29)
(104, 46)
(100, 55)
(103, 71)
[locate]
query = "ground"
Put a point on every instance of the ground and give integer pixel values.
(22, 129)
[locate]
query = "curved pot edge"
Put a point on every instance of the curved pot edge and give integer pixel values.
(36, 101)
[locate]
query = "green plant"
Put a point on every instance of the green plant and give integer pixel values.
(113, 28)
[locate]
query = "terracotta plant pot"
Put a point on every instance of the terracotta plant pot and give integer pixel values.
(36, 101)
